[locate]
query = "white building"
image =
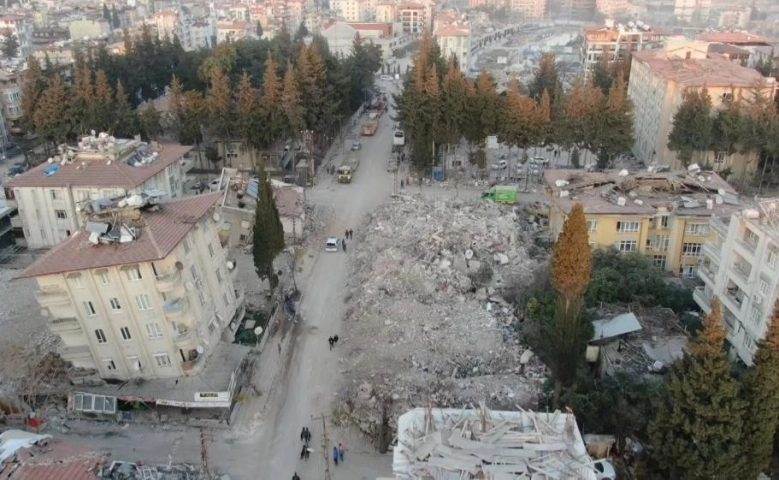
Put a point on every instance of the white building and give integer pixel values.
(22, 28)
(47, 196)
(741, 268)
(348, 10)
(455, 40)
(230, 31)
(618, 41)
(142, 292)
(694, 11)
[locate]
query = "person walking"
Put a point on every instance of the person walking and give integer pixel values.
(331, 341)
(308, 435)
(343, 245)
(295, 476)
(303, 433)
(341, 452)
(346, 233)
(335, 455)
(303, 452)
(335, 339)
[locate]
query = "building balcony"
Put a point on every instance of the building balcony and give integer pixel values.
(176, 308)
(192, 367)
(707, 273)
(16, 221)
(742, 270)
(733, 300)
(720, 226)
(748, 246)
(72, 354)
(49, 297)
(183, 335)
(68, 324)
(700, 297)
(711, 250)
(168, 280)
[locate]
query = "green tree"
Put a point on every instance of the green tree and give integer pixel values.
(258, 29)
(32, 87)
(10, 44)
(697, 430)
(546, 77)
(150, 122)
(582, 114)
(126, 120)
(291, 104)
(270, 105)
(219, 98)
(602, 74)
(614, 135)
(482, 111)
(82, 95)
(106, 13)
(454, 104)
(762, 393)
(268, 232)
(103, 112)
(570, 268)
(50, 115)
(247, 110)
(692, 125)
(301, 32)
(116, 23)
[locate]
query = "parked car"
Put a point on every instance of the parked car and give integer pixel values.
(604, 470)
(500, 165)
(18, 168)
(332, 244)
(356, 145)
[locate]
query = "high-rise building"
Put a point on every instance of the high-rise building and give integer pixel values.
(618, 41)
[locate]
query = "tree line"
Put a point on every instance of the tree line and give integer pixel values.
(440, 106)
(704, 419)
(255, 91)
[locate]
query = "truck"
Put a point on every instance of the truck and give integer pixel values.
(501, 194)
(369, 129)
(347, 169)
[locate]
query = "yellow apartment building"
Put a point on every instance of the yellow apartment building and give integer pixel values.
(664, 215)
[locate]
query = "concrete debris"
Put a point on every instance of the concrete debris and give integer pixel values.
(426, 316)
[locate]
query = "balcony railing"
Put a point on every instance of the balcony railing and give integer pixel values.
(707, 272)
(700, 297)
(719, 225)
(64, 324)
(711, 250)
(748, 245)
(742, 270)
(183, 335)
(52, 296)
(177, 307)
(167, 280)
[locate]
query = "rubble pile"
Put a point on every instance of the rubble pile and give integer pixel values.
(426, 321)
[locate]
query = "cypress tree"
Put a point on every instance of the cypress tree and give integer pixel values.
(268, 232)
(762, 389)
(697, 431)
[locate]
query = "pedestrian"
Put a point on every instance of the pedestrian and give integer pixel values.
(303, 433)
(341, 453)
(335, 339)
(331, 342)
(351, 234)
(346, 233)
(308, 435)
(295, 476)
(344, 246)
(401, 183)
(303, 452)
(308, 452)
(335, 455)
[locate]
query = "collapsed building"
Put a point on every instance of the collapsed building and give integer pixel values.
(659, 213)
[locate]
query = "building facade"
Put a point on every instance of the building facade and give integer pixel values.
(612, 8)
(528, 9)
(740, 268)
(348, 10)
(414, 17)
(664, 215)
(11, 94)
(231, 31)
(152, 302)
(658, 78)
(618, 42)
(455, 40)
(47, 196)
(22, 28)
(692, 11)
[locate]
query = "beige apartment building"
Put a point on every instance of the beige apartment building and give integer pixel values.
(386, 12)
(612, 8)
(349, 10)
(693, 11)
(740, 266)
(618, 41)
(455, 40)
(145, 290)
(89, 28)
(414, 17)
(47, 197)
(658, 78)
(664, 215)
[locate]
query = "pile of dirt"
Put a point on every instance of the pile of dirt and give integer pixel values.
(426, 320)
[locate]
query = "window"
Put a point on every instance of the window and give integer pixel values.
(627, 227)
(754, 315)
(627, 245)
(211, 249)
(193, 271)
(691, 249)
(143, 302)
(663, 223)
(104, 278)
(748, 341)
(115, 305)
(86, 402)
(134, 363)
(61, 214)
(219, 275)
(764, 287)
(133, 274)
(697, 229)
(125, 331)
(659, 261)
(75, 280)
(153, 330)
(212, 326)
(162, 359)
(772, 257)
(688, 271)
(53, 194)
(186, 245)
(100, 334)
(226, 299)
(89, 309)
(109, 364)
(592, 226)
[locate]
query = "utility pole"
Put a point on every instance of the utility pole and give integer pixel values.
(325, 446)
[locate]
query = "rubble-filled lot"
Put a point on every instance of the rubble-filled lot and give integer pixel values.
(426, 320)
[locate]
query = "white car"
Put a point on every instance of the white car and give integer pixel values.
(500, 165)
(332, 244)
(386, 78)
(604, 470)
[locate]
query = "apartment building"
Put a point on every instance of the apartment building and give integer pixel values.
(618, 41)
(414, 17)
(48, 195)
(203, 34)
(612, 8)
(144, 291)
(83, 29)
(230, 31)
(759, 47)
(740, 268)
(455, 40)
(22, 28)
(11, 94)
(734, 17)
(348, 10)
(664, 215)
(386, 12)
(658, 78)
(692, 11)
(528, 9)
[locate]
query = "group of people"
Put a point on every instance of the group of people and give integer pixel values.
(349, 234)
(305, 436)
(338, 454)
(332, 341)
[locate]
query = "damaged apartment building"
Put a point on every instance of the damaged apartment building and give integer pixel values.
(46, 197)
(662, 214)
(145, 291)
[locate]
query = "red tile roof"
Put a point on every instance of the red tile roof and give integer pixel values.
(733, 37)
(54, 461)
(161, 232)
(698, 72)
(453, 31)
(98, 173)
(384, 28)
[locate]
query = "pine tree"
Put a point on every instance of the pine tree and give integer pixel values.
(82, 95)
(521, 124)
(546, 77)
(106, 13)
(126, 124)
(268, 232)
(697, 432)
(247, 120)
(692, 125)
(270, 104)
(32, 88)
(570, 268)
(150, 122)
(454, 104)
(219, 105)
(291, 104)
(601, 72)
(762, 393)
(103, 112)
(258, 29)
(50, 115)
(116, 23)
(615, 133)
(11, 45)
(582, 112)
